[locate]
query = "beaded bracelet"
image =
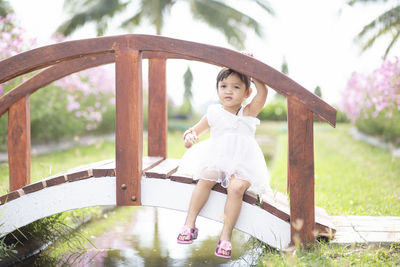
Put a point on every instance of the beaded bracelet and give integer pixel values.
(189, 131)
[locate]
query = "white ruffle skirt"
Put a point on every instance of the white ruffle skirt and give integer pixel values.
(224, 157)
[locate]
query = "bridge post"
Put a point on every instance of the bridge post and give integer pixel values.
(19, 143)
(129, 125)
(301, 172)
(157, 112)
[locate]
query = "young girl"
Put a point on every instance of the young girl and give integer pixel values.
(230, 157)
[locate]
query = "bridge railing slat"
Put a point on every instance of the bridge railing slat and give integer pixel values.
(157, 111)
(129, 125)
(19, 144)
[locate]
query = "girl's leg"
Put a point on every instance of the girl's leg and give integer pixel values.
(233, 204)
(199, 198)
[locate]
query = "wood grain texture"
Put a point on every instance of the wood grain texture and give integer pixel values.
(301, 172)
(19, 144)
(157, 113)
(129, 126)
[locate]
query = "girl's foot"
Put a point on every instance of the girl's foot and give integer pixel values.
(187, 235)
(224, 249)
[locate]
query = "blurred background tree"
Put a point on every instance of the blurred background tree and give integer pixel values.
(187, 95)
(318, 91)
(5, 8)
(386, 24)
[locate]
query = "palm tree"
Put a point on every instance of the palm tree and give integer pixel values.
(387, 23)
(5, 8)
(215, 13)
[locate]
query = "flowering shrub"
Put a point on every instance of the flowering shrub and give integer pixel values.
(71, 106)
(372, 101)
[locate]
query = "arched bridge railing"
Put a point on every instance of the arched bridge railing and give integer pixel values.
(127, 51)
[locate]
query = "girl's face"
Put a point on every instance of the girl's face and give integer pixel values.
(232, 91)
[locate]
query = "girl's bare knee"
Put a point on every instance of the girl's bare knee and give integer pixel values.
(206, 184)
(238, 186)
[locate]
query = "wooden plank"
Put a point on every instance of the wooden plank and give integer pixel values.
(11, 196)
(157, 113)
(56, 180)
(181, 178)
(72, 177)
(164, 169)
(150, 162)
(19, 144)
(301, 172)
(129, 125)
(34, 187)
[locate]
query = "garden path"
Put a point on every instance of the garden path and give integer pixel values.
(366, 229)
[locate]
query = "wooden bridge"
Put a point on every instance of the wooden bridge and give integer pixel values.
(131, 179)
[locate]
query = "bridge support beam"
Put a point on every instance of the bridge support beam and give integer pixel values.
(157, 113)
(301, 172)
(129, 126)
(19, 143)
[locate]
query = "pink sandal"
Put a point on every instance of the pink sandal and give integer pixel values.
(187, 235)
(224, 249)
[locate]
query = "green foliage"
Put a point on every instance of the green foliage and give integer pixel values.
(318, 92)
(341, 116)
(7, 250)
(284, 67)
(324, 254)
(50, 119)
(5, 8)
(275, 110)
(385, 128)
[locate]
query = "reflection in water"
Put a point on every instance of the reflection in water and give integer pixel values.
(147, 237)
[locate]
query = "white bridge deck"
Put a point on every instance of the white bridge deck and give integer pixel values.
(161, 186)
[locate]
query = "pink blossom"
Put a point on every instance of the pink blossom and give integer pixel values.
(377, 92)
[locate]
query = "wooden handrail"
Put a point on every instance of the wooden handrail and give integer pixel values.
(56, 53)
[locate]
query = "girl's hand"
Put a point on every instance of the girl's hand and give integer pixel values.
(248, 54)
(190, 138)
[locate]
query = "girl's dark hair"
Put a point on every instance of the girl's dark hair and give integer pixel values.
(225, 73)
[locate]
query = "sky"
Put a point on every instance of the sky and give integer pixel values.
(316, 38)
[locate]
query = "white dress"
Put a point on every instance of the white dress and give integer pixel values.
(231, 151)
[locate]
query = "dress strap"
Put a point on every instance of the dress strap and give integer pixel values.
(240, 111)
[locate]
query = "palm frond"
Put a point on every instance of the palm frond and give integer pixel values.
(266, 6)
(394, 40)
(353, 2)
(154, 10)
(226, 19)
(386, 23)
(96, 11)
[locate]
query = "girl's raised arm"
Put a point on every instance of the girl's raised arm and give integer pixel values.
(258, 102)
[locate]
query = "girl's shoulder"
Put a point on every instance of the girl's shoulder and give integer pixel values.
(213, 112)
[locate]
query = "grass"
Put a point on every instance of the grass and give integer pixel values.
(351, 178)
